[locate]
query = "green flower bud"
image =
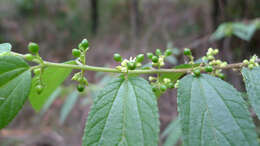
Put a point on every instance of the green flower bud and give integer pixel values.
(76, 53)
(209, 68)
(210, 57)
(166, 80)
(196, 72)
(154, 88)
(39, 89)
(29, 57)
(251, 66)
(187, 52)
(33, 48)
(84, 44)
(251, 61)
(170, 85)
(155, 59)
(204, 58)
(149, 55)
(163, 88)
(131, 65)
(81, 87)
(168, 52)
(246, 62)
(117, 57)
(223, 64)
(140, 58)
(210, 50)
(158, 52)
(151, 78)
(218, 62)
(216, 51)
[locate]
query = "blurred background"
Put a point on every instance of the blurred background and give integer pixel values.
(128, 27)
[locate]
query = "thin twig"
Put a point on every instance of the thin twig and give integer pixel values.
(138, 71)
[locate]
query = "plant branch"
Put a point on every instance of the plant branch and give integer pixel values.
(139, 71)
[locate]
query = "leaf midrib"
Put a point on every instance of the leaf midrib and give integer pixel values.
(113, 101)
(209, 114)
(138, 109)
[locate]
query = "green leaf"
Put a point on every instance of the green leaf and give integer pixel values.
(50, 100)
(223, 30)
(52, 78)
(173, 133)
(243, 31)
(171, 60)
(252, 81)
(5, 47)
(68, 105)
(15, 83)
(174, 76)
(124, 113)
(213, 113)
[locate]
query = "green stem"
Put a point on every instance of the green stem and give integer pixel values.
(112, 70)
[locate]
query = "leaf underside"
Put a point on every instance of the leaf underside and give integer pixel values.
(15, 83)
(5, 47)
(125, 113)
(213, 113)
(252, 81)
(52, 78)
(173, 133)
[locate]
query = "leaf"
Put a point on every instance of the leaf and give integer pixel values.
(213, 113)
(173, 133)
(68, 105)
(52, 78)
(243, 31)
(223, 30)
(5, 47)
(124, 113)
(252, 81)
(50, 100)
(174, 76)
(15, 83)
(171, 59)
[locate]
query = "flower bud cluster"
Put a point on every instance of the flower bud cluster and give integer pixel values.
(159, 57)
(129, 64)
(252, 62)
(212, 63)
(160, 85)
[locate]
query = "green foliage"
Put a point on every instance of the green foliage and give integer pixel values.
(175, 76)
(50, 100)
(252, 81)
(173, 133)
(15, 82)
(239, 29)
(213, 113)
(52, 78)
(5, 47)
(124, 113)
